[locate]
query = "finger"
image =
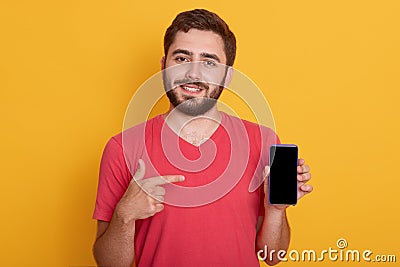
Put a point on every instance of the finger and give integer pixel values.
(152, 191)
(160, 180)
(139, 174)
(304, 177)
(306, 188)
(174, 178)
(303, 169)
(158, 199)
(135, 182)
(266, 171)
(159, 207)
(157, 191)
(300, 162)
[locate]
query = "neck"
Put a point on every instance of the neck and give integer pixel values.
(198, 127)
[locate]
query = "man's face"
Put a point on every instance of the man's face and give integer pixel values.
(195, 71)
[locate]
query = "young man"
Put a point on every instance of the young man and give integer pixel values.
(189, 203)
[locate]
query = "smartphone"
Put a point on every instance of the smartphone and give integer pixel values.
(282, 185)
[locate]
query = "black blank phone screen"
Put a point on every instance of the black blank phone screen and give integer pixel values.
(283, 174)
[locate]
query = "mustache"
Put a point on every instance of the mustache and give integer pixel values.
(189, 81)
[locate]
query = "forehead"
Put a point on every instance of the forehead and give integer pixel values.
(197, 42)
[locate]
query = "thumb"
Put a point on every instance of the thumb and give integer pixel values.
(265, 175)
(266, 171)
(141, 170)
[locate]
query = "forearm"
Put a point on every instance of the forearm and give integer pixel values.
(116, 246)
(274, 233)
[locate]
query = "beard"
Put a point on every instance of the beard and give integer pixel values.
(194, 106)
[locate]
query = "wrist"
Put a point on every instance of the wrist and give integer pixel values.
(275, 208)
(121, 217)
(121, 225)
(275, 214)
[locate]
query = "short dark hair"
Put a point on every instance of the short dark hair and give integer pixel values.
(204, 20)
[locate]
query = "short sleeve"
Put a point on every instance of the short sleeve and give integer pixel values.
(114, 178)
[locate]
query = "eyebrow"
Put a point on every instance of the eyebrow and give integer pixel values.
(212, 56)
(203, 54)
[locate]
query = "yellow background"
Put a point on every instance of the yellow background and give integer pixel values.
(330, 70)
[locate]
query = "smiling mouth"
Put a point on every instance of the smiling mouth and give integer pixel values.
(191, 89)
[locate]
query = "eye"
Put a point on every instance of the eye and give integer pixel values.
(181, 59)
(210, 63)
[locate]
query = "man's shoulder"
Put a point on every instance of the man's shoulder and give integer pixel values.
(251, 127)
(137, 130)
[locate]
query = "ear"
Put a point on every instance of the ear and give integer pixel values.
(162, 62)
(228, 77)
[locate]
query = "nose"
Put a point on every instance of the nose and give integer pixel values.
(193, 71)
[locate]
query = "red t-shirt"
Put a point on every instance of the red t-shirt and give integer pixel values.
(210, 218)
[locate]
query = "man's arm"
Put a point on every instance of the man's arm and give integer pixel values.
(274, 233)
(273, 228)
(114, 245)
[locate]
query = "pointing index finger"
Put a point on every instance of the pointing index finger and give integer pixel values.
(161, 180)
(173, 178)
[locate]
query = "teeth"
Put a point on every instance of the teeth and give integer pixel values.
(191, 89)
